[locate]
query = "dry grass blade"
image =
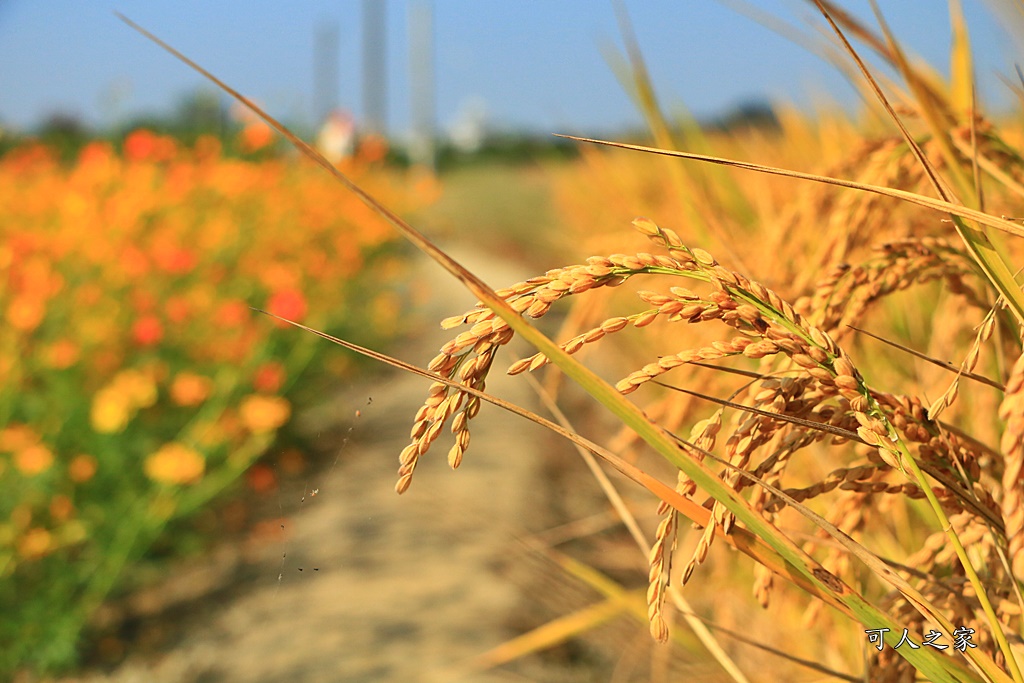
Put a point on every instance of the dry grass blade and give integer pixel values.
(977, 241)
(636, 80)
(613, 591)
(903, 195)
(944, 364)
(858, 29)
(806, 663)
(984, 251)
(760, 539)
(809, 424)
(878, 566)
(682, 605)
(741, 539)
(548, 635)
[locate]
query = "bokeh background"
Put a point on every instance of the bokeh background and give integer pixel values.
(191, 490)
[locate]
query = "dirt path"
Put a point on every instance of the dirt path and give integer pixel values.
(390, 588)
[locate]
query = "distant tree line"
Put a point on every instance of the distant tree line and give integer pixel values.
(203, 113)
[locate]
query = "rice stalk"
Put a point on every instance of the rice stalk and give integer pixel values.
(825, 385)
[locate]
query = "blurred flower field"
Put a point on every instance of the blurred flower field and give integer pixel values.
(136, 383)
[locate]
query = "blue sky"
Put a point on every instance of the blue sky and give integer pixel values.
(536, 64)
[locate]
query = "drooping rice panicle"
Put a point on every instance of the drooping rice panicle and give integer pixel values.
(970, 361)
(1011, 412)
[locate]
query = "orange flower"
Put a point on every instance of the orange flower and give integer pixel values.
(143, 301)
(175, 463)
(61, 508)
(228, 426)
(232, 314)
(279, 277)
(177, 309)
(134, 261)
(62, 354)
(372, 148)
(207, 148)
(15, 437)
(174, 259)
(82, 468)
(25, 312)
(269, 377)
(88, 294)
(35, 543)
(190, 389)
(33, 460)
(166, 148)
(94, 153)
(287, 303)
(263, 414)
(255, 136)
(147, 330)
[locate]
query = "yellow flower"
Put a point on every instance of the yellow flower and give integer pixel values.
(175, 463)
(110, 411)
(33, 460)
(263, 414)
(190, 389)
(138, 387)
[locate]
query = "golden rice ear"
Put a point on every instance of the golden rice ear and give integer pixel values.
(660, 563)
(1011, 412)
(813, 391)
(970, 362)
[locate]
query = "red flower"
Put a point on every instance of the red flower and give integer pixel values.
(287, 303)
(269, 377)
(175, 260)
(261, 478)
(140, 145)
(145, 145)
(147, 330)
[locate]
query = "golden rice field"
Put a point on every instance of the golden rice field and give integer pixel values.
(828, 377)
(818, 380)
(776, 259)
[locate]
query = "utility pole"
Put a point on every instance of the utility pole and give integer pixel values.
(325, 71)
(421, 78)
(374, 66)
